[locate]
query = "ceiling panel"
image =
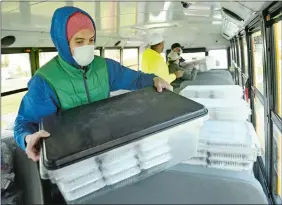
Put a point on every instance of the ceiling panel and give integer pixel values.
(115, 20)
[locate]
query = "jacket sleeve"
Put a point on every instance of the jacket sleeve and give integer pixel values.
(123, 78)
(40, 101)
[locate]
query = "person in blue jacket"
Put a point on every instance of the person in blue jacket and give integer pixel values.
(73, 78)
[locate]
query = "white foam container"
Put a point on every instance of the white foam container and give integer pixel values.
(117, 154)
(120, 166)
(233, 157)
(197, 161)
(235, 166)
(213, 91)
(147, 155)
(68, 185)
(229, 137)
(69, 172)
(182, 141)
(83, 190)
(225, 109)
(125, 174)
(158, 160)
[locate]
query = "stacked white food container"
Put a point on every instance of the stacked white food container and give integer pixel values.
(227, 140)
(129, 163)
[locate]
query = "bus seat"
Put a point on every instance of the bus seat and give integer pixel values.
(186, 184)
(28, 178)
(212, 77)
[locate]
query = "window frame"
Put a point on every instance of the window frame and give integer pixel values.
(259, 26)
(34, 58)
(114, 48)
(271, 18)
(44, 51)
(264, 22)
(263, 170)
(190, 50)
(219, 49)
(138, 56)
(32, 54)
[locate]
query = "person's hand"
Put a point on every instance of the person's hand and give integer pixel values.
(161, 84)
(179, 73)
(32, 144)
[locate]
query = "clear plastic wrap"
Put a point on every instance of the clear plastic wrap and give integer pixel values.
(235, 166)
(120, 166)
(156, 161)
(84, 190)
(225, 109)
(231, 145)
(144, 156)
(125, 174)
(213, 91)
(197, 161)
(74, 170)
(117, 155)
(72, 184)
(229, 137)
(236, 157)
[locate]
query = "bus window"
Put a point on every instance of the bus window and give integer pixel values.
(259, 116)
(45, 57)
(97, 52)
(278, 56)
(245, 56)
(130, 58)
(277, 160)
(257, 54)
(112, 54)
(221, 57)
(193, 56)
(15, 71)
(15, 74)
(9, 108)
(235, 52)
(239, 49)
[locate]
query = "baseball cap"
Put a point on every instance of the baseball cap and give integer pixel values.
(155, 39)
(175, 45)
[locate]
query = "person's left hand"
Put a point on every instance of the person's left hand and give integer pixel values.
(161, 84)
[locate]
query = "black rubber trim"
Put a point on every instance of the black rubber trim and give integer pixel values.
(277, 120)
(14, 92)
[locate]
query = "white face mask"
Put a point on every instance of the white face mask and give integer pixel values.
(180, 52)
(84, 55)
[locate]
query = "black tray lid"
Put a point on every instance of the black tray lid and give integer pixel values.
(92, 129)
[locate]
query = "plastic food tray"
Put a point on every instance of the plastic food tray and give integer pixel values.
(213, 91)
(179, 146)
(229, 137)
(235, 166)
(225, 109)
(117, 167)
(123, 139)
(197, 161)
(232, 157)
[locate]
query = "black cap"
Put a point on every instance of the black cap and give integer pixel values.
(175, 45)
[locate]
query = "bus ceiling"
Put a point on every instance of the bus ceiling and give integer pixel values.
(192, 24)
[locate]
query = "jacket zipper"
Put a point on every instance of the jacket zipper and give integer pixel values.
(85, 85)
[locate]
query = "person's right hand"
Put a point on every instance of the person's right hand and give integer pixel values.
(32, 144)
(179, 73)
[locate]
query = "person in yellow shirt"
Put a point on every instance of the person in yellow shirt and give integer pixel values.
(153, 62)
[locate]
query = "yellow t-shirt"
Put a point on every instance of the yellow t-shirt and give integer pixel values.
(153, 63)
